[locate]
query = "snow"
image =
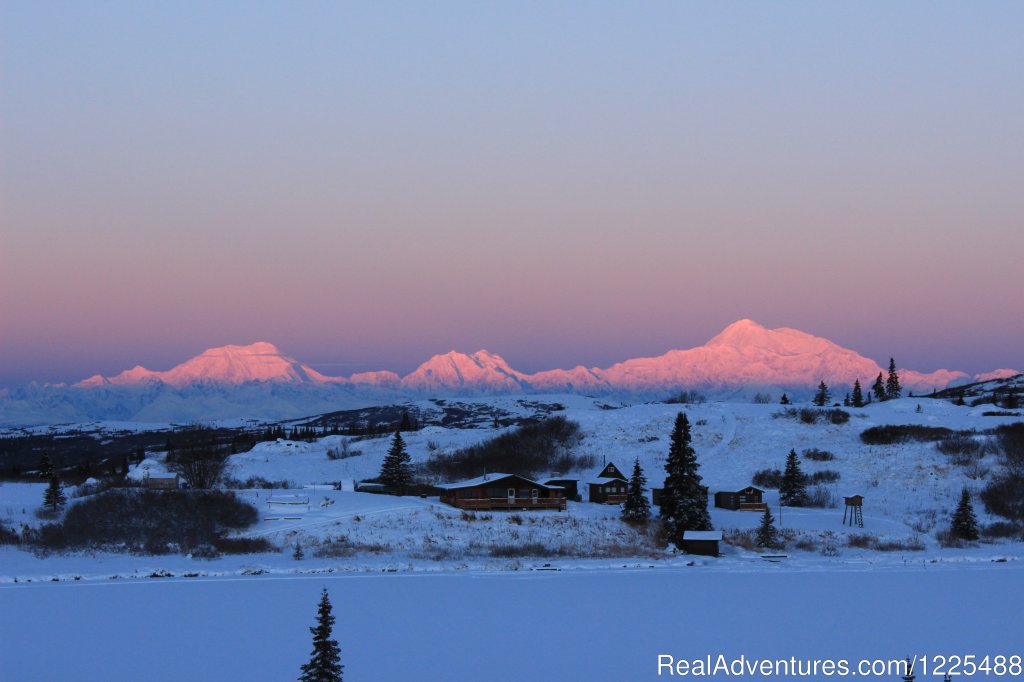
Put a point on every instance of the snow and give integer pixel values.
(702, 535)
(453, 626)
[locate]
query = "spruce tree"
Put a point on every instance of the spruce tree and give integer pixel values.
(793, 491)
(846, 400)
(965, 523)
(54, 497)
(684, 501)
(325, 659)
(822, 396)
(858, 395)
(396, 471)
(784, 400)
(46, 471)
(767, 535)
(636, 508)
(893, 390)
(298, 554)
(879, 388)
(960, 399)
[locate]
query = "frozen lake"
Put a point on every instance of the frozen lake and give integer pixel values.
(604, 625)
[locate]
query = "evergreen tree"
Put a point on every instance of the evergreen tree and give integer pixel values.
(325, 659)
(298, 554)
(793, 491)
(396, 471)
(965, 523)
(858, 395)
(960, 399)
(46, 471)
(893, 390)
(784, 400)
(846, 400)
(684, 501)
(822, 396)
(879, 388)
(767, 535)
(54, 497)
(636, 508)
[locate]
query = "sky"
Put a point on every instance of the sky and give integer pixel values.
(367, 184)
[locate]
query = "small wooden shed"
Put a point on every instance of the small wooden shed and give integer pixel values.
(703, 542)
(571, 486)
(748, 499)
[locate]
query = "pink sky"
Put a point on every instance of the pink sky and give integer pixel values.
(379, 188)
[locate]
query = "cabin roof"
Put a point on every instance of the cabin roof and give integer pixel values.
(492, 478)
(702, 535)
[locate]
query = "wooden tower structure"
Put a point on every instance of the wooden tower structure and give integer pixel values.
(854, 511)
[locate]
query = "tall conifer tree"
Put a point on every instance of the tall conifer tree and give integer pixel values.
(53, 496)
(396, 470)
(636, 508)
(325, 659)
(965, 523)
(878, 388)
(858, 395)
(684, 501)
(893, 390)
(793, 491)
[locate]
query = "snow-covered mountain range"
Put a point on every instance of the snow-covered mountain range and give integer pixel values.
(259, 381)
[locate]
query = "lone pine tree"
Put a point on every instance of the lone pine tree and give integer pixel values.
(53, 496)
(784, 400)
(822, 396)
(396, 471)
(636, 509)
(893, 390)
(767, 535)
(857, 400)
(684, 501)
(325, 659)
(793, 491)
(965, 523)
(878, 388)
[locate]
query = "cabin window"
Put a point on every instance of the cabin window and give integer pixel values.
(534, 494)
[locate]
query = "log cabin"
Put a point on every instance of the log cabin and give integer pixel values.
(748, 499)
(608, 486)
(502, 491)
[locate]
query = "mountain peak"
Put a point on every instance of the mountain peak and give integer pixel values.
(741, 333)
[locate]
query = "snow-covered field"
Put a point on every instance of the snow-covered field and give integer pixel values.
(608, 625)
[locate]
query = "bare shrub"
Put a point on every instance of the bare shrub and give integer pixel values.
(767, 478)
(149, 521)
(243, 545)
(899, 433)
(1002, 529)
(824, 476)
(816, 455)
(861, 540)
(528, 450)
(1004, 496)
(686, 398)
(821, 497)
(762, 399)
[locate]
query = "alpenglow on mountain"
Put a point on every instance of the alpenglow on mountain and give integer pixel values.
(744, 354)
(259, 381)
